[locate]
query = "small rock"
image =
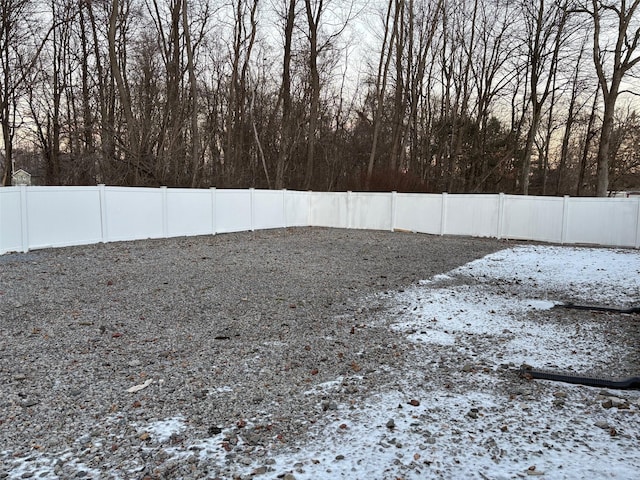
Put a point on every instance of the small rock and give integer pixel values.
(84, 440)
(135, 363)
(391, 424)
(201, 394)
(329, 405)
(467, 367)
(339, 457)
(618, 402)
(414, 403)
(602, 424)
(260, 470)
(535, 473)
(473, 413)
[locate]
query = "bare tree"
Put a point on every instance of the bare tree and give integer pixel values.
(20, 49)
(286, 127)
(612, 63)
(392, 22)
(577, 85)
(590, 134)
(545, 36)
(118, 16)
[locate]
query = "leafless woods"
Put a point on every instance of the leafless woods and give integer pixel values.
(523, 96)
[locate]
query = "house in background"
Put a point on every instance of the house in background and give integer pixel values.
(20, 177)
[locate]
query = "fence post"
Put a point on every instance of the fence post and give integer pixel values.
(284, 207)
(24, 218)
(394, 202)
(443, 214)
(638, 224)
(165, 211)
(500, 215)
(565, 219)
(102, 194)
(213, 210)
(252, 200)
(349, 193)
(1, 224)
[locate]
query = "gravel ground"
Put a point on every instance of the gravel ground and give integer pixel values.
(227, 332)
(246, 351)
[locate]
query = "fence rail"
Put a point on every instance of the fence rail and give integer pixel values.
(41, 217)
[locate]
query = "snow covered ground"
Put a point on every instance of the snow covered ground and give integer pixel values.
(476, 427)
(459, 409)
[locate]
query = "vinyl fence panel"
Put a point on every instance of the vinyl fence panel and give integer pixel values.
(371, 211)
(473, 215)
(233, 210)
(268, 209)
(610, 222)
(533, 218)
(11, 212)
(296, 208)
(59, 216)
(189, 212)
(419, 212)
(329, 209)
(133, 213)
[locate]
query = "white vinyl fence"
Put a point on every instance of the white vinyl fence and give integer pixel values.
(41, 217)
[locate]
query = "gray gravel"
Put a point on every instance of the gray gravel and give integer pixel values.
(231, 329)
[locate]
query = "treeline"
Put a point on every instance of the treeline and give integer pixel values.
(520, 96)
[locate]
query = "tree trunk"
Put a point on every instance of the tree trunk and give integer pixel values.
(602, 186)
(123, 92)
(286, 134)
(624, 60)
(313, 19)
(193, 95)
(381, 84)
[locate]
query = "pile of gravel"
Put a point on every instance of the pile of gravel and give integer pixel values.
(225, 332)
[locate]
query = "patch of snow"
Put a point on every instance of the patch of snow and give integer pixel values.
(325, 386)
(483, 432)
(162, 430)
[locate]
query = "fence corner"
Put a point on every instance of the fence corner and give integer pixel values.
(102, 195)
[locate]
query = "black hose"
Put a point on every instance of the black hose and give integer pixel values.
(599, 308)
(528, 372)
